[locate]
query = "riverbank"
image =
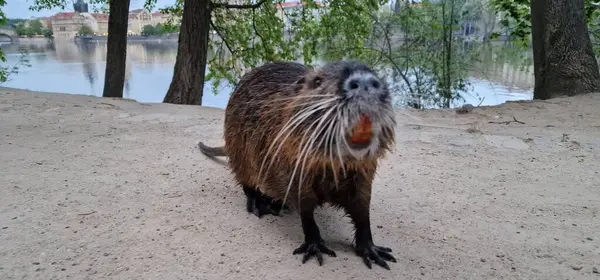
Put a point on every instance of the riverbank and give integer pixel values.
(105, 189)
(132, 38)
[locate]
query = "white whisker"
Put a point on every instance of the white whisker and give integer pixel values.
(294, 121)
(303, 147)
(329, 137)
(339, 138)
(311, 141)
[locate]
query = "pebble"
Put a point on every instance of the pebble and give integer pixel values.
(595, 270)
(574, 267)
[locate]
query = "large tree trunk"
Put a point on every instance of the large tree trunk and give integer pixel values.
(188, 77)
(564, 62)
(116, 48)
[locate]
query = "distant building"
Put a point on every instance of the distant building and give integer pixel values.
(138, 18)
(158, 17)
(102, 21)
(67, 25)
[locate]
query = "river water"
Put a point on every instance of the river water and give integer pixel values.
(66, 67)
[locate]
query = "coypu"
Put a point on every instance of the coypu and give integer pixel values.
(317, 133)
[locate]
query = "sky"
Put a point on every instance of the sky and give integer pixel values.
(20, 8)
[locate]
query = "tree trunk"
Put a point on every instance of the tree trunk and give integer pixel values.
(188, 77)
(116, 48)
(564, 62)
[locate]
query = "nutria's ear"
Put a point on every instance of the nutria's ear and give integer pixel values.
(299, 84)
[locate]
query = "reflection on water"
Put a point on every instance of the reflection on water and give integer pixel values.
(79, 69)
(502, 74)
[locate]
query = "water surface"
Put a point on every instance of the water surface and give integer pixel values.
(63, 66)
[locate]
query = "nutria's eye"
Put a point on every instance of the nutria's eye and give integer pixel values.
(376, 84)
(353, 85)
(317, 82)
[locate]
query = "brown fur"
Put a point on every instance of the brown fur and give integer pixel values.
(261, 104)
(253, 117)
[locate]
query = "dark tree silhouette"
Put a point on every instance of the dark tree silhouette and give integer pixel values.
(187, 85)
(116, 48)
(564, 61)
(190, 65)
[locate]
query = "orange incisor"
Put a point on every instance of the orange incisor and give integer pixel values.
(363, 131)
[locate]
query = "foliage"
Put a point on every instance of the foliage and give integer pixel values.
(3, 69)
(430, 64)
(246, 36)
(39, 5)
(22, 30)
(417, 44)
(7, 71)
(148, 30)
(48, 33)
(158, 29)
(85, 30)
(30, 28)
(98, 5)
(517, 18)
(35, 26)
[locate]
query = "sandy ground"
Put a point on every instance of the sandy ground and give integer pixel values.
(97, 188)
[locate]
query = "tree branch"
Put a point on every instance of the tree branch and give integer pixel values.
(236, 6)
(231, 50)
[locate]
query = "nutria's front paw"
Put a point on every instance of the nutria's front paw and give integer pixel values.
(310, 249)
(263, 207)
(377, 254)
(260, 204)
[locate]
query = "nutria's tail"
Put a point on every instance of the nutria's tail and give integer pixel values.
(212, 151)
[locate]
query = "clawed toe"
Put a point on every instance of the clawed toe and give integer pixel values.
(376, 254)
(314, 249)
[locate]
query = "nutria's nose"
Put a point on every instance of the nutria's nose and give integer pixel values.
(362, 83)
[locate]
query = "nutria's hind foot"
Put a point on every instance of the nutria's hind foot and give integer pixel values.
(358, 209)
(314, 248)
(377, 254)
(313, 242)
(259, 204)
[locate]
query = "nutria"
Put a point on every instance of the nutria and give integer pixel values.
(315, 135)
